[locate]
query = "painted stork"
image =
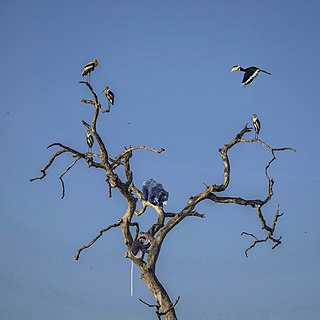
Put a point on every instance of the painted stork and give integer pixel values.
(90, 140)
(88, 68)
(256, 124)
(250, 73)
(109, 94)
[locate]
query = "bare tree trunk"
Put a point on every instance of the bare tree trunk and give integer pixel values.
(160, 295)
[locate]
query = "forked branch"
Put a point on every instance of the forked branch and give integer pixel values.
(271, 230)
(158, 307)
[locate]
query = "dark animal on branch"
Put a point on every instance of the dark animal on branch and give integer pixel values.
(154, 192)
(139, 247)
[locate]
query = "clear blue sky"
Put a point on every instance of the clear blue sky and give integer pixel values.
(168, 63)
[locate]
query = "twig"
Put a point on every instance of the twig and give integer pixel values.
(129, 150)
(62, 183)
(44, 169)
(269, 235)
(135, 224)
(96, 103)
(157, 307)
(101, 232)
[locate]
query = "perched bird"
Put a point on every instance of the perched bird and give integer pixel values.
(109, 94)
(88, 68)
(90, 140)
(250, 73)
(256, 124)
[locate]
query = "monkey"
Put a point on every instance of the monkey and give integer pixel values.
(154, 192)
(139, 247)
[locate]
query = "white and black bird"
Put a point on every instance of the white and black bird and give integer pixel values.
(256, 124)
(250, 74)
(88, 68)
(90, 140)
(109, 94)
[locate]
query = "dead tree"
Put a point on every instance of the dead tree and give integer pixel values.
(166, 221)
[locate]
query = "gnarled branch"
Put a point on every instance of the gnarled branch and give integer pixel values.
(271, 230)
(158, 307)
(62, 183)
(101, 232)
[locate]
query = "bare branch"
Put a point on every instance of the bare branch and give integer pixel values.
(196, 214)
(149, 305)
(62, 183)
(96, 103)
(276, 217)
(236, 200)
(64, 150)
(44, 169)
(272, 150)
(79, 154)
(129, 150)
(87, 101)
(277, 241)
(101, 232)
(224, 155)
(109, 187)
(135, 224)
(99, 106)
(157, 307)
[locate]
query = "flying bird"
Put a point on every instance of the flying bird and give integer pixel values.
(88, 68)
(256, 124)
(250, 73)
(90, 140)
(109, 94)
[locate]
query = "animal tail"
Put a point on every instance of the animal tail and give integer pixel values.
(131, 279)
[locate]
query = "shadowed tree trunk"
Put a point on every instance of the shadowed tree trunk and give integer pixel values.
(166, 221)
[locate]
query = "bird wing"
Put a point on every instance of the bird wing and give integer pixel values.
(87, 68)
(249, 76)
(111, 96)
(257, 126)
